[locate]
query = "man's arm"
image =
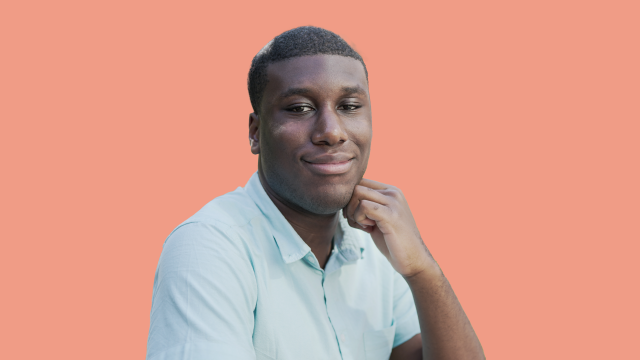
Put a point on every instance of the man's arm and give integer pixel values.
(446, 332)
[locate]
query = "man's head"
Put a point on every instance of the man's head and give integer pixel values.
(312, 118)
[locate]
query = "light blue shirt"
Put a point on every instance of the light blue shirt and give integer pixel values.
(235, 281)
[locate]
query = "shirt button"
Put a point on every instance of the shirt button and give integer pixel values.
(343, 338)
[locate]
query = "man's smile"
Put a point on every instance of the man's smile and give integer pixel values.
(329, 164)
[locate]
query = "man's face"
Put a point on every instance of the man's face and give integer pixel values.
(314, 132)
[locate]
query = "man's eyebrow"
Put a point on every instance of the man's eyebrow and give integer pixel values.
(294, 91)
(348, 90)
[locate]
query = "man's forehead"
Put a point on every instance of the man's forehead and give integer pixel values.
(305, 71)
(320, 62)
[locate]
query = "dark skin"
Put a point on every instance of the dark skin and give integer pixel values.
(311, 109)
(313, 135)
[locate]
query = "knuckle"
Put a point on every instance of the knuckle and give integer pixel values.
(397, 193)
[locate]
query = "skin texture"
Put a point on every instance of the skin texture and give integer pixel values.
(317, 110)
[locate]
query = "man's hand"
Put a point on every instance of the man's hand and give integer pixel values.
(383, 211)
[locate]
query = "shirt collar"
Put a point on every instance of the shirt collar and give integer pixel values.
(292, 247)
(348, 245)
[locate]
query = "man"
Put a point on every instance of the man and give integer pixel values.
(308, 260)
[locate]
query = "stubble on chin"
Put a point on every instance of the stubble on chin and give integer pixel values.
(312, 200)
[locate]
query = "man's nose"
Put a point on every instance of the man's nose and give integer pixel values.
(329, 128)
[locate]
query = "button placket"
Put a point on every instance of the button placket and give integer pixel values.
(338, 328)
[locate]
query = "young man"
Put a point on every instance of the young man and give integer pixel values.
(308, 260)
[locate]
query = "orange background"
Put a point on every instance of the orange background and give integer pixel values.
(512, 127)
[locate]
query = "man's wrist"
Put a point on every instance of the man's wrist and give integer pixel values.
(430, 273)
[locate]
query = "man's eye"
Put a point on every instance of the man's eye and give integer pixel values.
(350, 107)
(300, 109)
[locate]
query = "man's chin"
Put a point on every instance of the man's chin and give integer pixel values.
(323, 208)
(318, 196)
(327, 202)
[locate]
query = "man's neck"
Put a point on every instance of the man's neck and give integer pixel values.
(315, 230)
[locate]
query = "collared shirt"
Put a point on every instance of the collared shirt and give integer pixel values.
(235, 281)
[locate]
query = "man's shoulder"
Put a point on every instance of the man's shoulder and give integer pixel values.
(221, 221)
(233, 209)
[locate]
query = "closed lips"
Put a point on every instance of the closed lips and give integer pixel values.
(329, 166)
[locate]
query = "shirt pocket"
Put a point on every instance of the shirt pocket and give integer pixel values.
(379, 343)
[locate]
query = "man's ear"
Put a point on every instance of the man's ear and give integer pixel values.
(254, 133)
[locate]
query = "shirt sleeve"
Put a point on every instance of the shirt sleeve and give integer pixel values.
(204, 294)
(405, 314)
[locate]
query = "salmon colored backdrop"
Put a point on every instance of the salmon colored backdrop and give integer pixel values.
(512, 127)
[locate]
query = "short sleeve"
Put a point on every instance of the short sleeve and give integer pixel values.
(204, 295)
(404, 311)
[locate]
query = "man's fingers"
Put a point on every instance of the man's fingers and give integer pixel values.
(373, 184)
(365, 228)
(367, 222)
(363, 193)
(369, 210)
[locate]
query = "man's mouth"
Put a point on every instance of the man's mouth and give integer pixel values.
(330, 164)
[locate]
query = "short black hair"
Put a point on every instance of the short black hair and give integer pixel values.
(301, 41)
